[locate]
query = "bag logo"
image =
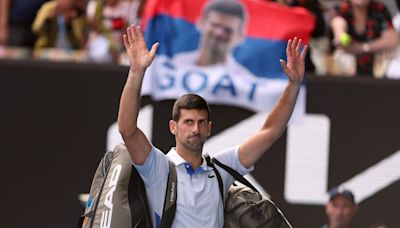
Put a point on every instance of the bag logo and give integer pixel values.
(172, 197)
(106, 215)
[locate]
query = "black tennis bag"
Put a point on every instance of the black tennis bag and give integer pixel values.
(117, 197)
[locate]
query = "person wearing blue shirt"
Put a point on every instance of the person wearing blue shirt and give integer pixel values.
(199, 203)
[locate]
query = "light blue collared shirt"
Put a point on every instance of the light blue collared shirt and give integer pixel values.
(199, 201)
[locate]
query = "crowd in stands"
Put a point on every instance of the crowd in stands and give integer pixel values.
(351, 37)
(76, 30)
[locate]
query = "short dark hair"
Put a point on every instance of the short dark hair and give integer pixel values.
(189, 101)
(230, 7)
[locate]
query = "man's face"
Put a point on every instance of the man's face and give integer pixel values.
(192, 129)
(220, 32)
(340, 211)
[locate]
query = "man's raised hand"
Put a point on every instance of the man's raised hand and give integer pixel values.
(138, 54)
(295, 66)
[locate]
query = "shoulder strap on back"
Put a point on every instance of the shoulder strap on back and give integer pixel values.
(170, 198)
(105, 167)
(234, 173)
(220, 183)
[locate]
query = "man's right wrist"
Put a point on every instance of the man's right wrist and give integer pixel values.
(136, 70)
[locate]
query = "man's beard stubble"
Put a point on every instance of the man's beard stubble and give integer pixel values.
(196, 147)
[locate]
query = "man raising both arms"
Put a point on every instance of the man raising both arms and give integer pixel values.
(199, 203)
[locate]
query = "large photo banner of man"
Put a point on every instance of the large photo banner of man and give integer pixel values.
(224, 50)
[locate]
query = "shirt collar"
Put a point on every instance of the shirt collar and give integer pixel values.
(178, 160)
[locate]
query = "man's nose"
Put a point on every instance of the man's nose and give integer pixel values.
(196, 128)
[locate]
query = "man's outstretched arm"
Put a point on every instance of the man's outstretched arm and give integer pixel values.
(274, 126)
(139, 58)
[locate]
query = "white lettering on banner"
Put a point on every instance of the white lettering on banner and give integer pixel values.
(307, 159)
(192, 76)
(197, 81)
(106, 215)
(230, 84)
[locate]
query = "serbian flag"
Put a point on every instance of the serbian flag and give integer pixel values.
(249, 77)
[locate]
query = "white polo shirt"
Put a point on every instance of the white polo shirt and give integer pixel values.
(199, 201)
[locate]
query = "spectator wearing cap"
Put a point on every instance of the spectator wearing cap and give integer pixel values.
(340, 209)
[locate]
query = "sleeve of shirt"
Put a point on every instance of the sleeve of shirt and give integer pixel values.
(230, 157)
(154, 169)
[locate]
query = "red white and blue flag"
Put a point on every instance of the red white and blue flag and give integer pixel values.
(254, 80)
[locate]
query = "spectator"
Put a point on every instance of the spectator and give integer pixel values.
(16, 18)
(107, 21)
(318, 42)
(60, 24)
(135, 11)
(363, 29)
(390, 5)
(393, 70)
(396, 18)
(340, 209)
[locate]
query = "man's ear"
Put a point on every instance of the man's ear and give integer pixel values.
(172, 127)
